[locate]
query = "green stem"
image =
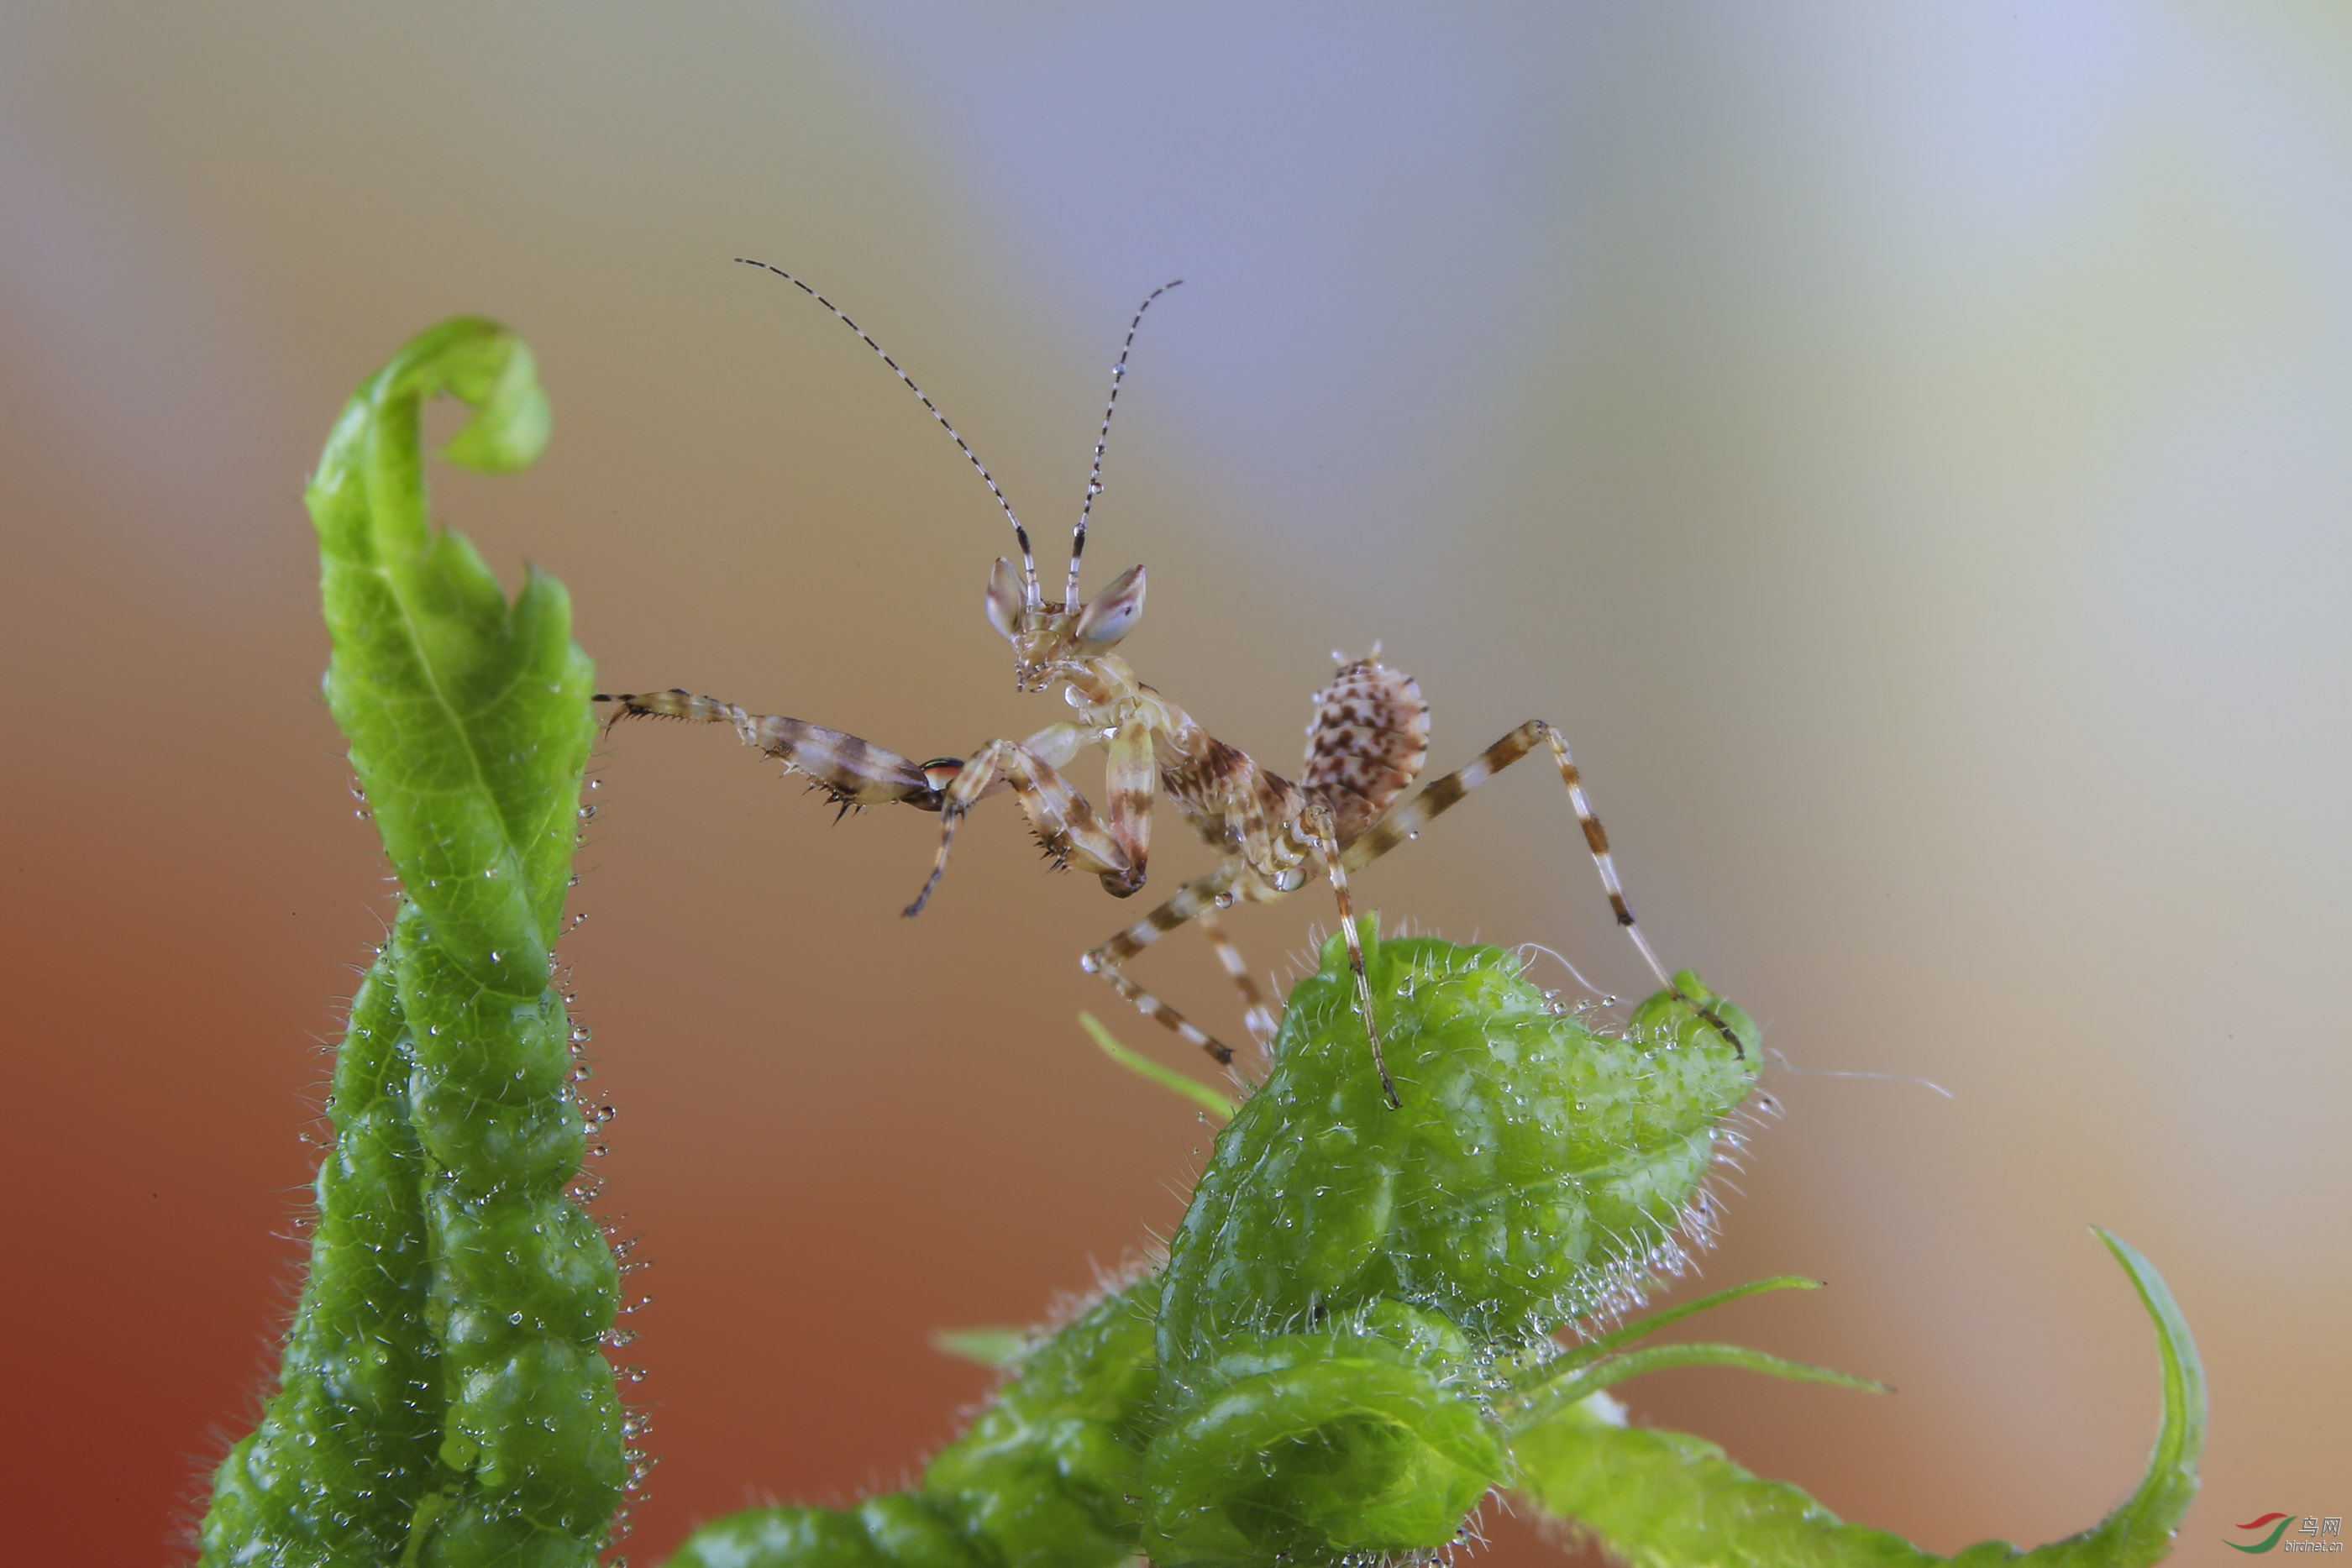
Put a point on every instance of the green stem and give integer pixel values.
(444, 1398)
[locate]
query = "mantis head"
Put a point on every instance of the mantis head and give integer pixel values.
(1046, 636)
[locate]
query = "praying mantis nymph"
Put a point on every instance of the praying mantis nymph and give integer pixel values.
(1364, 749)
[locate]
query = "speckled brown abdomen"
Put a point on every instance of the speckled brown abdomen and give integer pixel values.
(1367, 744)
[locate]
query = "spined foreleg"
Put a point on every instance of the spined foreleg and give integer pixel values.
(1064, 823)
(854, 771)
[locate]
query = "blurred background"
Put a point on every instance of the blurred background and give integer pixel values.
(1903, 447)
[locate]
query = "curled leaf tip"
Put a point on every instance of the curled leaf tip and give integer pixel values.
(509, 424)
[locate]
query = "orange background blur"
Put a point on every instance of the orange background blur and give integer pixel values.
(1905, 447)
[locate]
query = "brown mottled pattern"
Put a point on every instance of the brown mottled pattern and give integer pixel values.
(1366, 746)
(1237, 807)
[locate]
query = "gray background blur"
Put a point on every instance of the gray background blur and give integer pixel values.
(1904, 446)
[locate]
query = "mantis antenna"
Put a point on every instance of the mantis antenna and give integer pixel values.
(1102, 439)
(1028, 559)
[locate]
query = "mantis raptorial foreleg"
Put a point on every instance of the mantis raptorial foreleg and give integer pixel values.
(854, 771)
(1063, 820)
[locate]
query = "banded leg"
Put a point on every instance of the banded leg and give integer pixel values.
(854, 772)
(1406, 822)
(1256, 1012)
(1318, 821)
(1058, 814)
(1130, 786)
(1191, 901)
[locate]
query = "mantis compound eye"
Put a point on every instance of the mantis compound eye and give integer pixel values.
(1006, 598)
(1114, 612)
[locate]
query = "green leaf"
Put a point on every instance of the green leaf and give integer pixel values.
(1643, 1327)
(1539, 1170)
(1577, 1384)
(1216, 1105)
(444, 1398)
(2141, 1530)
(1046, 1477)
(1667, 1500)
(1347, 1273)
(1359, 1439)
(1335, 1364)
(992, 1345)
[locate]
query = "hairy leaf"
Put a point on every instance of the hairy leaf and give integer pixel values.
(1346, 1350)
(1665, 1500)
(1539, 1170)
(1045, 1476)
(1347, 1275)
(444, 1399)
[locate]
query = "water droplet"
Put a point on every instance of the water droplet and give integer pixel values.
(597, 1151)
(588, 813)
(580, 1035)
(1224, 901)
(515, 1318)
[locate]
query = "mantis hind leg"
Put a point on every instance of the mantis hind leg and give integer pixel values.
(1406, 822)
(1318, 821)
(1257, 1013)
(1191, 902)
